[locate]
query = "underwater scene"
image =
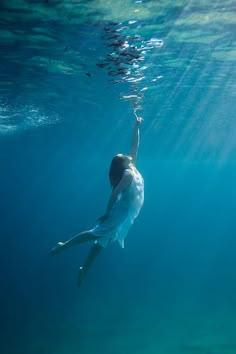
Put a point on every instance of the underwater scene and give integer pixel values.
(76, 76)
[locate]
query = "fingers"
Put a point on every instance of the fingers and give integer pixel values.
(139, 119)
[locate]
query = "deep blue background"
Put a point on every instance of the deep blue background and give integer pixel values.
(172, 289)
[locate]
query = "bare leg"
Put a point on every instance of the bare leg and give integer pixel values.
(93, 253)
(76, 240)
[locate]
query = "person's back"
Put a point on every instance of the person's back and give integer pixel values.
(133, 196)
(130, 201)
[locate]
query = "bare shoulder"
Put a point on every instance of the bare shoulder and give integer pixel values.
(128, 175)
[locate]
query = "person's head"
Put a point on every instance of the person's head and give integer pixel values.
(119, 163)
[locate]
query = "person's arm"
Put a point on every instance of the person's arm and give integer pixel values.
(122, 185)
(135, 140)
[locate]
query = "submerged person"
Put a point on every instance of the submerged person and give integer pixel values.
(123, 207)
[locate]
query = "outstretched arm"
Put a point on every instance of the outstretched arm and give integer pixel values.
(135, 140)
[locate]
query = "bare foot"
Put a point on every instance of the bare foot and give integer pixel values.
(57, 249)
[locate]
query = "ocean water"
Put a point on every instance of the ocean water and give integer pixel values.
(72, 74)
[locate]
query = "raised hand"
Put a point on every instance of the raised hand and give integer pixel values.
(139, 120)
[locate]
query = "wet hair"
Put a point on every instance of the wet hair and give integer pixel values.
(117, 167)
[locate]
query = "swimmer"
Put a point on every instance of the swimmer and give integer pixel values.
(123, 207)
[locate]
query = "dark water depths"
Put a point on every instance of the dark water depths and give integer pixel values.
(71, 74)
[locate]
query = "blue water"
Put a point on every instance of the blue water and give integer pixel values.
(63, 117)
